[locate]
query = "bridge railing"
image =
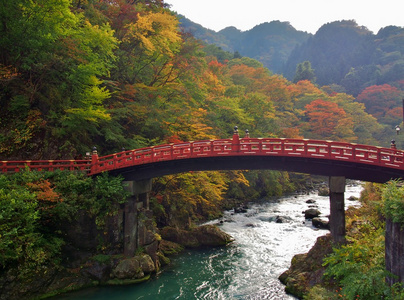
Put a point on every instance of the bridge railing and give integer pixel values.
(254, 146)
(318, 149)
(45, 165)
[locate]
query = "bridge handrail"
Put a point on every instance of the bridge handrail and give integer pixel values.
(45, 165)
(255, 146)
(289, 147)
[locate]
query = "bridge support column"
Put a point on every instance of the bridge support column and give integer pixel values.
(394, 253)
(337, 208)
(139, 199)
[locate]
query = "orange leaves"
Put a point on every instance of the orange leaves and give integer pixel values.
(44, 191)
(215, 66)
(303, 87)
(7, 73)
(292, 133)
(324, 117)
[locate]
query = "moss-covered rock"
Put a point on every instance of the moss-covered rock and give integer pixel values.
(170, 248)
(306, 270)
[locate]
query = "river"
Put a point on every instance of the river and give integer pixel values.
(246, 269)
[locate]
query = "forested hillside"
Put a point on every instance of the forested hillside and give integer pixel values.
(342, 55)
(79, 74)
(123, 75)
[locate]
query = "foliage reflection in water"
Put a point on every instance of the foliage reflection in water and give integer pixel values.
(247, 269)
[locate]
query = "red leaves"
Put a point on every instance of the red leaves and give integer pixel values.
(378, 99)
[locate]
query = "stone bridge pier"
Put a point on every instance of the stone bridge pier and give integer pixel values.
(337, 208)
(139, 200)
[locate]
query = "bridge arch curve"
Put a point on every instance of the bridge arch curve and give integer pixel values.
(327, 158)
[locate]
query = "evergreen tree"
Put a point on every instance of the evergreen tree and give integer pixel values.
(304, 71)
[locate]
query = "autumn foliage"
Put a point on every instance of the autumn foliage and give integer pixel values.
(121, 74)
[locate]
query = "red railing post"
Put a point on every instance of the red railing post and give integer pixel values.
(94, 161)
(235, 146)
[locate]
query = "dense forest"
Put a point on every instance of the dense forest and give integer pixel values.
(75, 74)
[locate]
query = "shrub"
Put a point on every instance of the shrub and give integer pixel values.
(393, 197)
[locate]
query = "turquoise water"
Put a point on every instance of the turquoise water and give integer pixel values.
(247, 269)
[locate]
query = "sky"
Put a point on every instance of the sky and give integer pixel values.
(303, 15)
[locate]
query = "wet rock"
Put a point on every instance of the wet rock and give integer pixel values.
(311, 213)
(280, 219)
(320, 223)
(353, 198)
(207, 235)
(310, 201)
(323, 191)
(240, 210)
(210, 235)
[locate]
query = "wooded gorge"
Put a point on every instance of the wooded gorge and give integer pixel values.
(75, 74)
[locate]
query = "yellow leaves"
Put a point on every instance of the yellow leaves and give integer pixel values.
(156, 32)
(238, 177)
(90, 114)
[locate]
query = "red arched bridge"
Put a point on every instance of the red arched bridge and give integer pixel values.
(328, 158)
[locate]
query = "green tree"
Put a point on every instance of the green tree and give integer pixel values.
(59, 59)
(304, 71)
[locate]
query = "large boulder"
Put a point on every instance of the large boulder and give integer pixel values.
(210, 235)
(179, 236)
(307, 270)
(133, 268)
(206, 235)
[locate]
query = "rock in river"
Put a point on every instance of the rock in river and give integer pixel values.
(311, 213)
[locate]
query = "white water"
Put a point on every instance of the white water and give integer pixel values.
(266, 247)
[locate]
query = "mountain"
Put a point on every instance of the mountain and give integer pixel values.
(349, 55)
(342, 53)
(270, 43)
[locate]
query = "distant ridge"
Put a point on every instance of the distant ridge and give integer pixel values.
(342, 53)
(270, 43)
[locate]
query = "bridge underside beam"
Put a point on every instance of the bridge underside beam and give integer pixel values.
(323, 167)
